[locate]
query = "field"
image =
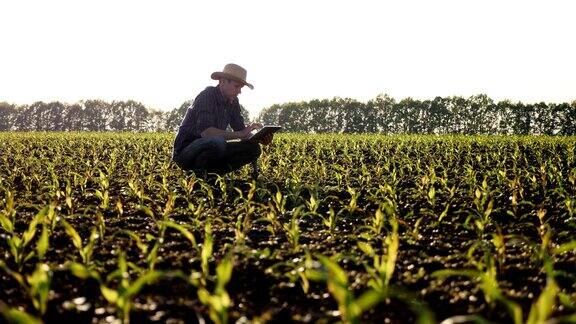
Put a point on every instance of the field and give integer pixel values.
(352, 228)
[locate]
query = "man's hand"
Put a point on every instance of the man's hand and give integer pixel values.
(246, 132)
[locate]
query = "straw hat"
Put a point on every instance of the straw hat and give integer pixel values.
(233, 72)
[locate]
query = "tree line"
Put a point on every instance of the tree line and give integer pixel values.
(477, 114)
(91, 115)
(451, 115)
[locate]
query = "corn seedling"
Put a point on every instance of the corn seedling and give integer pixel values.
(14, 315)
(218, 301)
(36, 285)
(349, 308)
(122, 297)
(18, 243)
(85, 251)
(382, 267)
(292, 229)
(489, 286)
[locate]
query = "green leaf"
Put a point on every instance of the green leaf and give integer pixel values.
(366, 248)
(146, 279)
(366, 301)
(109, 294)
(30, 232)
(146, 210)
(566, 247)
(6, 223)
(224, 272)
(183, 231)
(82, 272)
(13, 315)
(335, 273)
(143, 247)
(39, 283)
(566, 300)
(432, 193)
(150, 237)
(42, 245)
(544, 306)
(489, 208)
(76, 240)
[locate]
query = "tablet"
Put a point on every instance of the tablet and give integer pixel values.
(262, 132)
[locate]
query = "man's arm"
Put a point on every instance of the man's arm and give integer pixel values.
(227, 135)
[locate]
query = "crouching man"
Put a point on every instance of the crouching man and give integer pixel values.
(202, 144)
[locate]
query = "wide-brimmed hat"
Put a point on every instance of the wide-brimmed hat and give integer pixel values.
(233, 72)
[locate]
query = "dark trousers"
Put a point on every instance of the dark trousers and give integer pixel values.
(215, 155)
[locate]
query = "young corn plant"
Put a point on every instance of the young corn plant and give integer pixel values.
(137, 191)
(184, 231)
(382, 267)
(274, 223)
(68, 197)
(292, 229)
(376, 225)
(103, 193)
(488, 284)
(297, 270)
(218, 301)
(14, 315)
(279, 201)
(312, 205)
(350, 308)
(36, 285)
(85, 251)
(353, 203)
(8, 212)
(143, 247)
(152, 257)
(43, 242)
(123, 296)
(313, 202)
(221, 182)
(243, 221)
(208, 191)
(330, 220)
(541, 310)
(244, 217)
(199, 278)
(484, 206)
(18, 244)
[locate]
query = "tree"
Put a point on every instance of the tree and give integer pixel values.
(7, 116)
(384, 112)
(438, 113)
(176, 115)
(96, 115)
(506, 122)
(480, 114)
(55, 113)
(568, 118)
(73, 118)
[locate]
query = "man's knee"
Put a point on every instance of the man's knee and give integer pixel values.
(199, 152)
(215, 144)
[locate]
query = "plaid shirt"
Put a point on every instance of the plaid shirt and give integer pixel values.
(209, 109)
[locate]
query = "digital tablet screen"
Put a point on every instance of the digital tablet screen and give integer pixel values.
(262, 132)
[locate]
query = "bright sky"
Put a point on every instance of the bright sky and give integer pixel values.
(162, 53)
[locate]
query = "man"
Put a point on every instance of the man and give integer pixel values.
(203, 142)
